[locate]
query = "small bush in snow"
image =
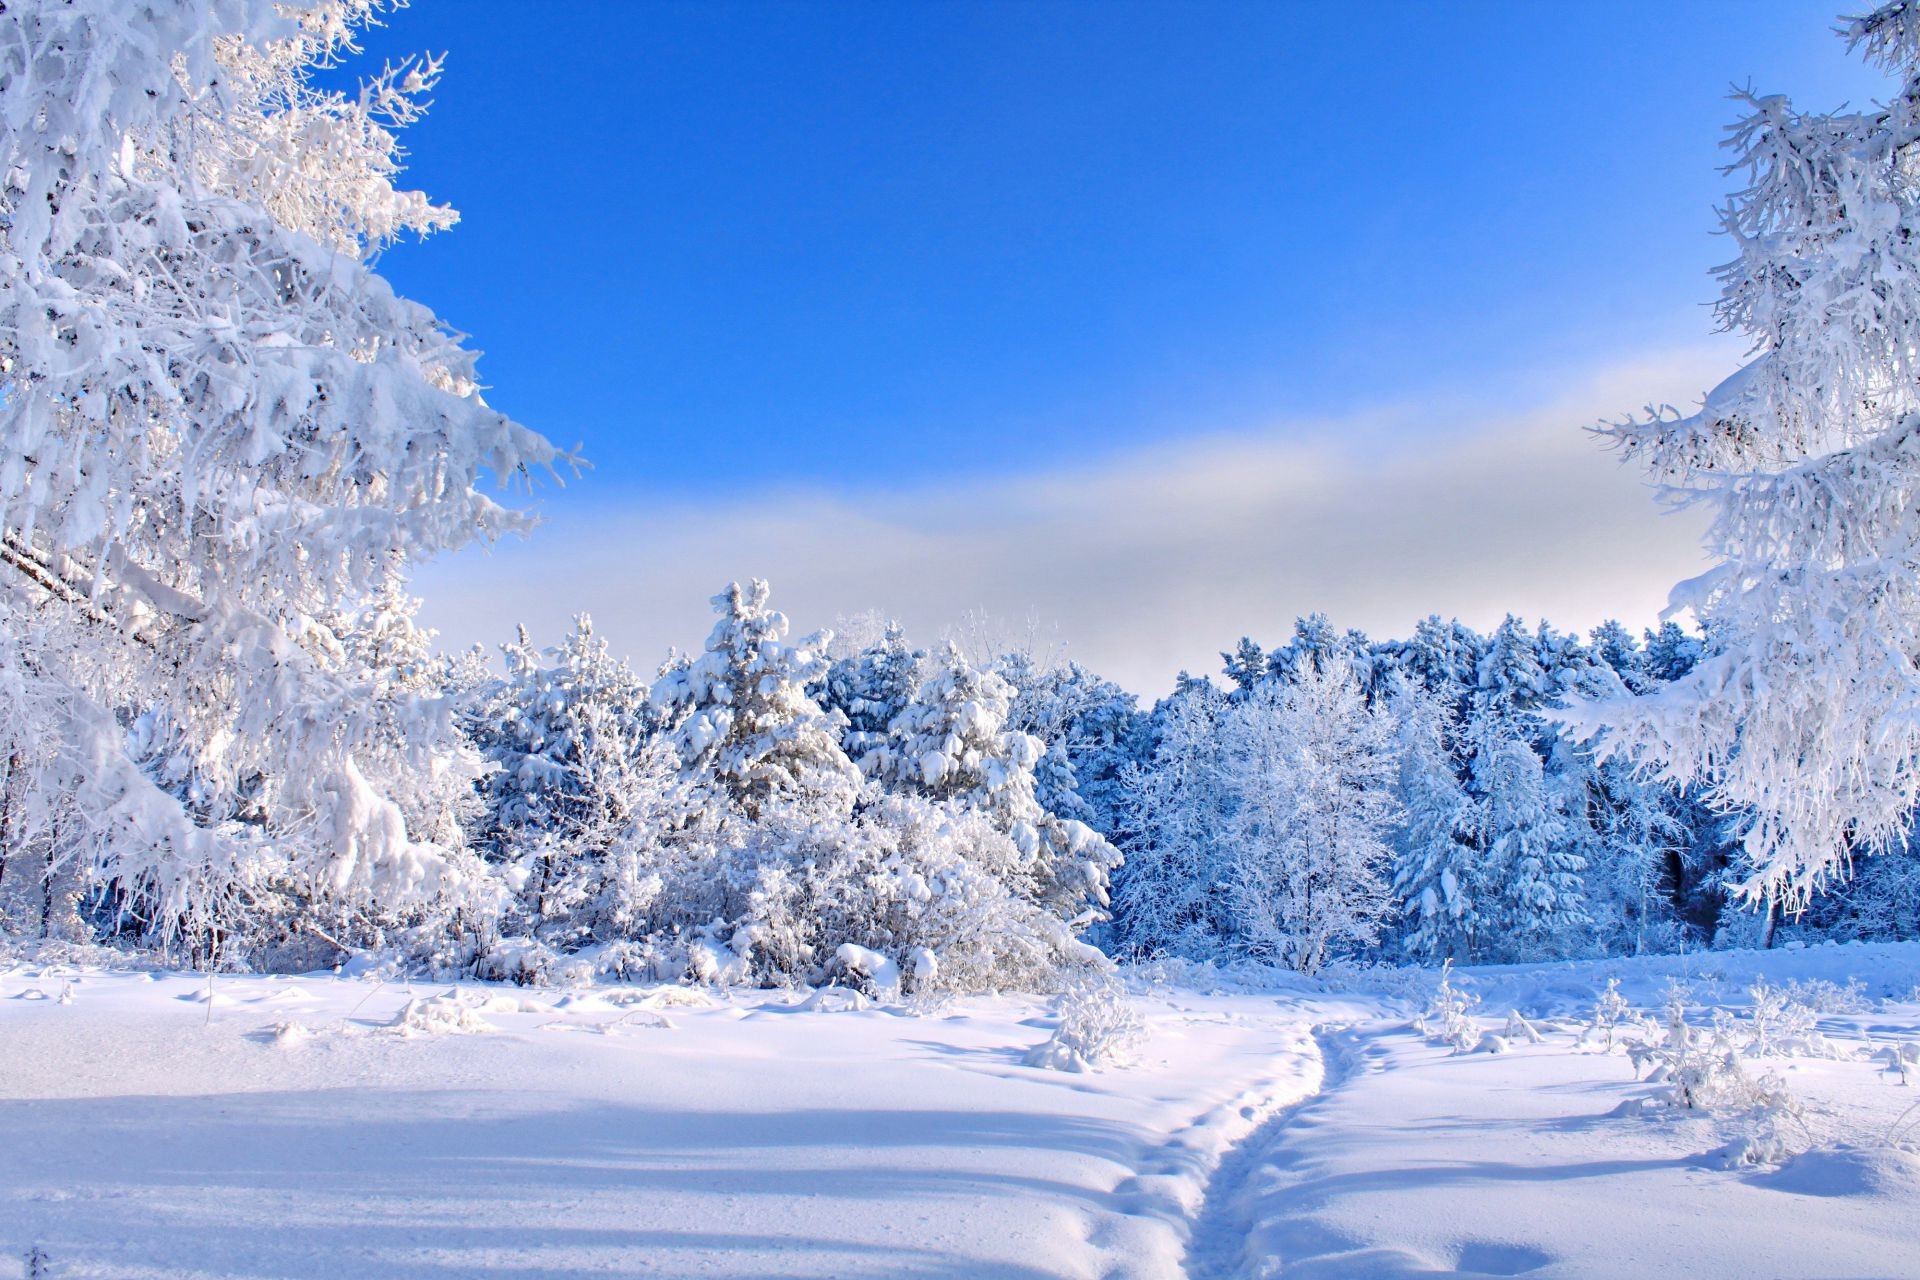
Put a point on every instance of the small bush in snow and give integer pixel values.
(1098, 1025)
(1778, 1020)
(1822, 996)
(1448, 1019)
(1610, 1009)
(1701, 1070)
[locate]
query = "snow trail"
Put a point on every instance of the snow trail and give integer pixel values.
(1217, 1247)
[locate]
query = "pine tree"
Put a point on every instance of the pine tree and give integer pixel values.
(1087, 726)
(420, 751)
(1246, 666)
(1529, 855)
(748, 734)
(568, 733)
(952, 745)
(870, 687)
(1172, 819)
(1436, 880)
(1800, 718)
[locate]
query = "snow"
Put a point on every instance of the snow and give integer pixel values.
(438, 1132)
(327, 1125)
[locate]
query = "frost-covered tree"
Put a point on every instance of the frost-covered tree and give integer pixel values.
(419, 752)
(1245, 665)
(1309, 770)
(870, 687)
(1801, 720)
(1089, 727)
(1167, 893)
(749, 735)
(217, 426)
(952, 744)
(568, 734)
(1530, 856)
(1437, 880)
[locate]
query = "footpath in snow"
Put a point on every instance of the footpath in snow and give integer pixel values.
(322, 1126)
(1538, 1147)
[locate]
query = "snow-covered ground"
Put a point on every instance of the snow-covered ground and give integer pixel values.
(323, 1126)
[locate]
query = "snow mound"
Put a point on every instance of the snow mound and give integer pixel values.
(218, 999)
(290, 1035)
(831, 1000)
(438, 1016)
(1849, 1171)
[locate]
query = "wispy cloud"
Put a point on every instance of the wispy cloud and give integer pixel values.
(1153, 560)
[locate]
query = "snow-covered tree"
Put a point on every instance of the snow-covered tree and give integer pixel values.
(1800, 720)
(1088, 726)
(217, 425)
(952, 744)
(1529, 855)
(870, 687)
(1309, 770)
(568, 733)
(1172, 818)
(748, 734)
(419, 752)
(1437, 878)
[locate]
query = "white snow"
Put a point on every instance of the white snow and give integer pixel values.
(444, 1131)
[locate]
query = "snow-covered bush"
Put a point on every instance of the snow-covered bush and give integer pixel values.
(1097, 1026)
(1780, 1023)
(1821, 996)
(1610, 1009)
(1448, 1018)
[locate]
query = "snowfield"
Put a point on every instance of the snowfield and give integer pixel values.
(348, 1126)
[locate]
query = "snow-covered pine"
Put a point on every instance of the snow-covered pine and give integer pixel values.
(1309, 770)
(748, 734)
(1800, 720)
(218, 426)
(870, 687)
(568, 733)
(952, 744)
(1531, 856)
(419, 752)
(1166, 898)
(1090, 728)
(1436, 880)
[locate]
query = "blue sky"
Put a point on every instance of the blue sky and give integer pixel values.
(794, 258)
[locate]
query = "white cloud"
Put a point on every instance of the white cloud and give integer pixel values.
(1152, 560)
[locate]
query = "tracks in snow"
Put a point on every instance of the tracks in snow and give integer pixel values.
(1224, 1221)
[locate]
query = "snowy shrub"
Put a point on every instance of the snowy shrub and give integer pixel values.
(1702, 1070)
(1610, 1009)
(1449, 1017)
(1780, 1024)
(1821, 996)
(1098, 1025)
